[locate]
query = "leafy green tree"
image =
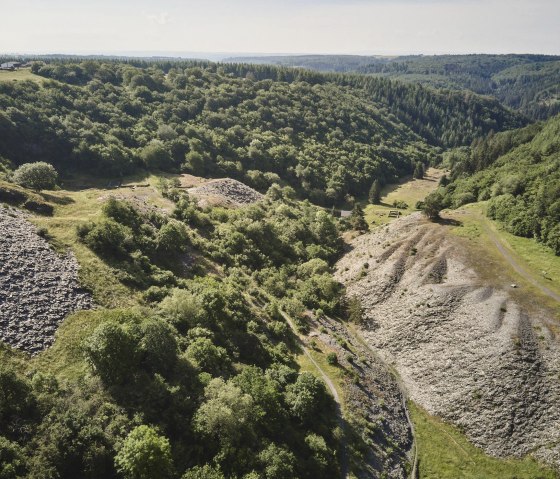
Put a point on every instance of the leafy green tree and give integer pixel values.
(306, 396)
(277, 462)
(374, 195)
(158, 346)
(226, 415)
(145, 455)
(203, 472)
(12, 460)
(106, 237)
(16, 399)
(37, 176)
(433, 204)
(182, 309)
(156, 156)
(172, 238)
(111, 351)
(208, 357)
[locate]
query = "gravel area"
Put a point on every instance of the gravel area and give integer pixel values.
(38, 287)
(226, 191)
(465, 350)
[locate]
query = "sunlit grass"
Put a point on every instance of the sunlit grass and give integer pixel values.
(445, 453)
(410, 191)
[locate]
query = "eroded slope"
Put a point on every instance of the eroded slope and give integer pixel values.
(38, 287)
(465, 349)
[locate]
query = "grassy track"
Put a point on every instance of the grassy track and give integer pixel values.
(445, 453)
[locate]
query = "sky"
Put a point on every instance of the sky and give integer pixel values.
(177, 27)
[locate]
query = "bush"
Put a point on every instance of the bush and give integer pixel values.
(332, 359)
(145, 455)
(107, 237)
(37, 176)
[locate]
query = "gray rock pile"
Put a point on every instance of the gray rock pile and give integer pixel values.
(229, 191)
(38, 287)
(465, 349)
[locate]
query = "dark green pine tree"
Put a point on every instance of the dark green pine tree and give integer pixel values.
(375, 193)
(418, 171)
(358, 220)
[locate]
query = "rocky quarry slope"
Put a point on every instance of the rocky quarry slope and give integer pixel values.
(225, 192)
(466, 350)
(38, 287)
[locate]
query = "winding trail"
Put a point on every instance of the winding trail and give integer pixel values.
(332, 389)
(517, 267)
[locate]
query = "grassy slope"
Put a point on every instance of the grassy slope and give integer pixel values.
(22, 74)
(532, 256)
(445, 453)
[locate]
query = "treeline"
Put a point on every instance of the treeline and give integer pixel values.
(519, 173)
(528, 83)
(327, 136)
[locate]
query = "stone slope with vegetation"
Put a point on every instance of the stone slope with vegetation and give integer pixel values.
(189, 367)
(38, 286)
(201, 370)
(466, 350)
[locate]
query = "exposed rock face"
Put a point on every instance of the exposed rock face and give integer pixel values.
(465, 350)
(226, 191)
(376, 399)
(38, 287)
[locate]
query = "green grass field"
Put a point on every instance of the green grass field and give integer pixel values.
(537, 260)
(445, 453)
(22, 74)
(409, 190)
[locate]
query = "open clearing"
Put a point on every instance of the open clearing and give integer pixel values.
(408, 190)
(21, 74)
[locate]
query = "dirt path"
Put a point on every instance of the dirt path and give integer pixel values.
(517, 267)
(332, 389)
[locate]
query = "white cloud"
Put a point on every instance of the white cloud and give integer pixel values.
(161, 18)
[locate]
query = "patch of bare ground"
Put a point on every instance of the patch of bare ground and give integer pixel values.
(465, 344)
(225, 192)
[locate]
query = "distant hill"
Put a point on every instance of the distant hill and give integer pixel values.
(519, 173)
(528, 83)
(328, 136)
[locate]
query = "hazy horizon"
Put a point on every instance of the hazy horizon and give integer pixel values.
(292, 27)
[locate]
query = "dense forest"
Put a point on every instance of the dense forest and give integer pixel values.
(327, 136)
(527, 83)
(518, 172)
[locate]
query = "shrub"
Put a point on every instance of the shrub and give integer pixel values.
(106, 237)
(37, 176)
(145, 455)
(332, 359)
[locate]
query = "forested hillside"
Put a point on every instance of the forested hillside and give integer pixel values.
(528, 83)
(327, 136)
(519, 173)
